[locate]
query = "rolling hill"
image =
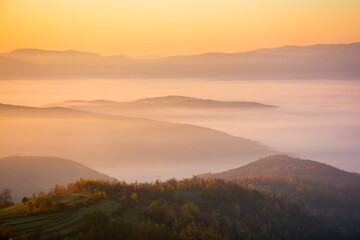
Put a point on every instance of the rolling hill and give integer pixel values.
(323, 61)
(27, 175)
(285, 166)
(123, 147)
(320, 189)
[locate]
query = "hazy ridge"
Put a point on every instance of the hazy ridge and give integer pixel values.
(171, 102)
(121, 144)
(25, 175)
(323, 61)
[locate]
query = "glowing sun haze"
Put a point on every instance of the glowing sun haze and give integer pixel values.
(165, 27)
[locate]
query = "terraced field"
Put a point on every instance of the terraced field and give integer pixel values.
(54, 223)
(20, 210)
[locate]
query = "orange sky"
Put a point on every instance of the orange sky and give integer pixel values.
(169, 27)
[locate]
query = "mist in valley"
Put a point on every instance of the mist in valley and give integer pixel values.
(178, 120)
(315, 119)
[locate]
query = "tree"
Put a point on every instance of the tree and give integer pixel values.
(5, 198)
(41, 194)
(57, 189)
(63, 189)
(5, 195)
(24, 199)
(189, 212)
(134, 199)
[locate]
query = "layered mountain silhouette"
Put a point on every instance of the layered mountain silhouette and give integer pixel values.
(323, 61)
(286, 166)
(117, 142)
(25, 175)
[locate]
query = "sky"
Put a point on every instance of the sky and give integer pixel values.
(169, 27)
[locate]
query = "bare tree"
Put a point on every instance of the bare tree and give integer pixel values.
(5, 198)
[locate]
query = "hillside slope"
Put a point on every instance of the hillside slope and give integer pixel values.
(124, 147)
(26, 175)
(319, 188)
(285, 166)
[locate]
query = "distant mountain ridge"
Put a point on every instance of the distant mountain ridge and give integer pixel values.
(322, 61)
(285, 166)
(171, 101)
(198, 102)
(24, 175)
(9, 110)
(52, 56)
(23, 51)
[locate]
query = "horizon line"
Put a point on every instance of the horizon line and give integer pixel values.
(185, 55)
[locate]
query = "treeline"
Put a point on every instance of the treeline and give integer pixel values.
(338, 204)
(199, 209)
(305, 190)
(220, 210)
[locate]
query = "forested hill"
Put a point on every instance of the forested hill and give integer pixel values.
(286, 166)
(319, 188)
(172, 210)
